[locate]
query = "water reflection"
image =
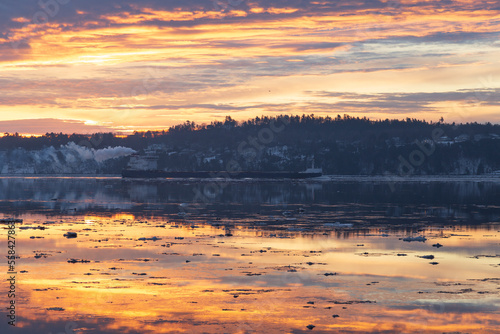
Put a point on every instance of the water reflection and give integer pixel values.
(358, 202)
(260, 258)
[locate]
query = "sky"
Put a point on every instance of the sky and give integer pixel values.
(105, 65)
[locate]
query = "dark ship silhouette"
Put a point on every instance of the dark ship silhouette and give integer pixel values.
(146, 166)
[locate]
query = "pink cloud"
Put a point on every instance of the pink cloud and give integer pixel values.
(44, 125)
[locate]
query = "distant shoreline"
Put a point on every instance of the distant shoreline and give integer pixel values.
(414, 178)
(324, 178)
(47, 176)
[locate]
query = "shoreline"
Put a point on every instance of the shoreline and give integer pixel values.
(324, 178)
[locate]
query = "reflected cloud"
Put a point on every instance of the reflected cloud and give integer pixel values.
(484, 305)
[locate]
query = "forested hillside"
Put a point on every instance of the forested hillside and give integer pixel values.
(340, 145)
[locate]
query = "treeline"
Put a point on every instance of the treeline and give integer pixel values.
(309, 127)
(341, 145)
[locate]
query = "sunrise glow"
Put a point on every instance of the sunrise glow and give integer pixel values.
(94, 66)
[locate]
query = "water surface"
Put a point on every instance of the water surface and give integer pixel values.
(253, 257)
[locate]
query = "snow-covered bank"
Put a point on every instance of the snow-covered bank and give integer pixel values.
(415, 178)
(66, 159)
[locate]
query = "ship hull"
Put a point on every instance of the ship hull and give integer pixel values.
(130, 173)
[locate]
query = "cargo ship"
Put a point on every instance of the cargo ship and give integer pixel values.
(145, 166)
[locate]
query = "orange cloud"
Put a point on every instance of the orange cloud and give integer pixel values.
(237, 56)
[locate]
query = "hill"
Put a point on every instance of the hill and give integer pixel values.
(341, 145)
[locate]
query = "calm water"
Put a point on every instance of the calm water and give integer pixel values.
(253, 257)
